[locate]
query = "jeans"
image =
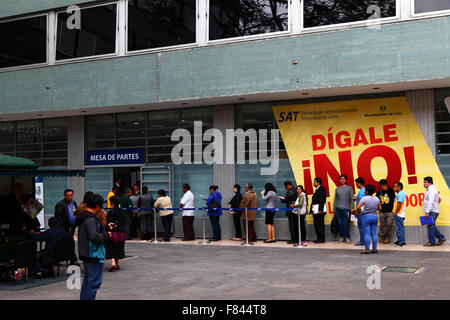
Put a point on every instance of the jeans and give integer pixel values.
(93, 275)
(215, 223)
(399, 225)
(369, 223)
(386, 222)
(361, 230)
(319, 226)
(293, 226)
(342, 216)
(433, 231)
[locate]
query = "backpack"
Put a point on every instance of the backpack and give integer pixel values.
(334, 226)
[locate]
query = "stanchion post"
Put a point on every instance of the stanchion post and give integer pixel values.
(204, 229)
(246, 229)
(154, 223)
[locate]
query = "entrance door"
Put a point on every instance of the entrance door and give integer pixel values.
(129, 175)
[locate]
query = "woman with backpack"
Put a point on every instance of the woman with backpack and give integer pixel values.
(300, 208)
(214, 204)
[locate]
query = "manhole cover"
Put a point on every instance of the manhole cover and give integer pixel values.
(401, 269)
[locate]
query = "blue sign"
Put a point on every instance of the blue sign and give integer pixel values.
(115, 157)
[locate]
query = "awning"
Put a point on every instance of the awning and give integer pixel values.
(41, 173)
(15, 162)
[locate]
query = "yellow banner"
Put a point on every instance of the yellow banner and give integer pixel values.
(374, 139)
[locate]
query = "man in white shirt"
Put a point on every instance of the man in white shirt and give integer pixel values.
(431, 209)
(187, 201)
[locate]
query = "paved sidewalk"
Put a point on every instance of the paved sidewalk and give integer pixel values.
(232, 272)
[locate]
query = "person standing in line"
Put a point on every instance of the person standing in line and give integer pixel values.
(126, 204)
(214, 204)
(289, 199)
(161, 205)
(387, 197)
(269, 194)
(399, 214)
(65, 212)
(431, 209)
(300, 208)
(187, 201)
(370, 218)
(115, 249)
(136, 200)
(362, 193)
(235, 203)
(318, 210)
(120, 188)
(92, 237)
(114, 191)
(250, 200)
(343, 202)
(146, 219)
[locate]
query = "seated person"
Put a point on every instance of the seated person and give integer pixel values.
(50, 237)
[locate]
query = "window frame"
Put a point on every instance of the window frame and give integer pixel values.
(95, 57)
(438, 13)
(47, 42)
(168, 48)
(348, 25)
(287, 32)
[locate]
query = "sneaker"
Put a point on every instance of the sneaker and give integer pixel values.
(429, 244)
(441, 242)
(374, 251)
(365, 252)
(341, 240)
(304, 243)
(396, 243)
(347, 241)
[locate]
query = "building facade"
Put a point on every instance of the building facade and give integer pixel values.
(78, 78)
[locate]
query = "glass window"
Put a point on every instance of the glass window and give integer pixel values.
(421, 6)
(161, 124)
(160, 23)
(24, 42)
(442, 118)
(131, 130)
(238, 18)
(29, 140)
(100, 132)
(7, 138)
(96, 36)
(54, 142)
(326, 12)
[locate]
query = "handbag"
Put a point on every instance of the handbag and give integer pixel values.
(118, 237)
(215, 204)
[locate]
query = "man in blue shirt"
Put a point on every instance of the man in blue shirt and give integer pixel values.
(65, 213)
(399, 214)
(362, 192)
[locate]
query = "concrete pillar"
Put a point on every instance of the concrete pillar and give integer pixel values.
(224, 174)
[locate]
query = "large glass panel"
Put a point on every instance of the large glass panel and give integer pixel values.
(54, 142)
(442, 118)
(29, 140)
(96, 36)
(421, 6)
(7, 138)
(131, 130)
(23, 42)
(100, 132)
(161, 124)
(203, 115)
(326, 12)
(160, 23)
(238, 18)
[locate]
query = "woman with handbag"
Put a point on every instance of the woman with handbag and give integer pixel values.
(115, 248)
(300, 208)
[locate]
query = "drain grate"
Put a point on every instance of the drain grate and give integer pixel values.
(401, 269)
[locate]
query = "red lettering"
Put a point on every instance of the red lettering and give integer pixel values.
(318, 138)
(421, 197)
(393, 164)
(373, 139)
(347, 141)
(413, 200)
(390, 132)
(360, 138)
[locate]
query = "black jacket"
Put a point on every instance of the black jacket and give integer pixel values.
(386, 206)
(236, 200)
(50, 237)
(320, 198)
(291, 196)
(115, 216)
(89, 229)
(62, 213)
